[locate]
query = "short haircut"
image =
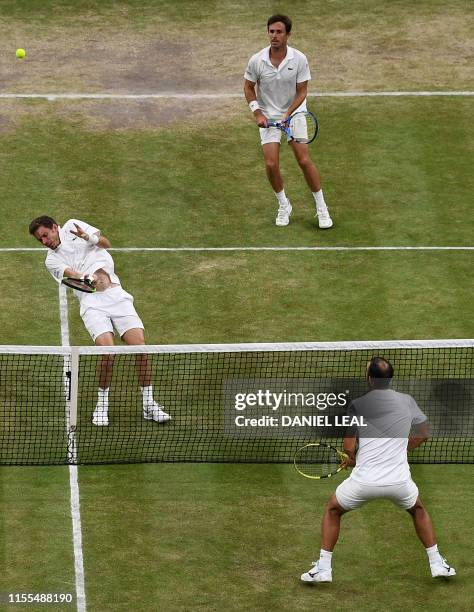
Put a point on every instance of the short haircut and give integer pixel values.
(283, 19)
(43, 221)
(380, 371)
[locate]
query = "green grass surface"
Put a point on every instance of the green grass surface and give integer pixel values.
(207, 537)
(396, 171)
(260, 297)
(401, 178)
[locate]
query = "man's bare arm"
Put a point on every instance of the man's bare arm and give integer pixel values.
(420, 435)
(70, 273)
(103, 242)
(300, 97)
(251, 96)
(350, 448)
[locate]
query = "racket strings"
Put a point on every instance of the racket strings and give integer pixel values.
(317, 461)
(303, 127)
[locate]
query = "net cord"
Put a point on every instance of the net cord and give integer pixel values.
(241, 348)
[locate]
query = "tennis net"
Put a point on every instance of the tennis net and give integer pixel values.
(254, 403)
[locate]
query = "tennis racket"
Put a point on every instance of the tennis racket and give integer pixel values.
(85, 284)
(318, 461)
(301, 127)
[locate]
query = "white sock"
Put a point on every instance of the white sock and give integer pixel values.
(319, 199)
(147, 394)
(281, 197)
(325, 559)
(103, 398)
(433, 554)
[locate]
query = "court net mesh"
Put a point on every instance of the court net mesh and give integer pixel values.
(48, 395)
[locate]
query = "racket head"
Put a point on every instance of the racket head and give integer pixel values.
(79, 284)
(317, 460)
(303, 127)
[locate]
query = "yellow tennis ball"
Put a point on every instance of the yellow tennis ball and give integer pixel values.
(20, 53)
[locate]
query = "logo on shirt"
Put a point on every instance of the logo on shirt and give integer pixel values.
(290, 68)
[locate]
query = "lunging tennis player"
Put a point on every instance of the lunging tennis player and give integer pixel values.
(76, 250)
(281, 74)
(381, 469)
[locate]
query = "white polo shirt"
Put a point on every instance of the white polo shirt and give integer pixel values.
(74, 252)
(276, 87)
(382, 454)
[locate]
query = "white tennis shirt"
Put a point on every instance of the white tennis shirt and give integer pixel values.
(276, 87)
(382, 454)
(74, 252)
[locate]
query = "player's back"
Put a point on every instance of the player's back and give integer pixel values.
(382, 453)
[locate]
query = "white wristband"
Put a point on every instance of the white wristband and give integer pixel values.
(94, 239)
(254, 106)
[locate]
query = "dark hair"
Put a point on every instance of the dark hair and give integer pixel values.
(43, 221)
(283, 18)
(380, 371)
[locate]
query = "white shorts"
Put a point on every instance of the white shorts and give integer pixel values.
(351, 494)
(109, 311)
(273, 134)
(270, 134)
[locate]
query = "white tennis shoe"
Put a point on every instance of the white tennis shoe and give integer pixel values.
(324, 218)
(155, 412)
(442, 569)
(284, 212)
(317, 575)
(100, 416)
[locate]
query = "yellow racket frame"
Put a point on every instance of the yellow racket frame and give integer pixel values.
(342, 457)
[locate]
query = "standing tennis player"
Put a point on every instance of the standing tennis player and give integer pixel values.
(381, 469)
(281, 74)
(78, 250)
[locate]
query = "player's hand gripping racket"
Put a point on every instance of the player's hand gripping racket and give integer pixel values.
(301, 127)
(85, 284)
(318, 461)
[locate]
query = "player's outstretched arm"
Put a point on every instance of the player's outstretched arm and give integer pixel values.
(71, 273)
(94, 239)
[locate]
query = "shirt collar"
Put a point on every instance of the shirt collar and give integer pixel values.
(290, 54)
(63, 237)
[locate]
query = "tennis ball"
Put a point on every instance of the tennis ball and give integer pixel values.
(20, 53)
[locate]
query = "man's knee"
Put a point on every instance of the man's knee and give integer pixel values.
(418, 508)
(305, 162)
(333, 507)
(272, 165)
(134, 337)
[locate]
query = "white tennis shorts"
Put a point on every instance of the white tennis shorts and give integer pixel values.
(111, 310)
(273, 134)
(270, 134)
(351, 494)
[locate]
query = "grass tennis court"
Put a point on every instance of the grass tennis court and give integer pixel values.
(397, 171)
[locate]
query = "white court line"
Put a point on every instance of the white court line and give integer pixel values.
(223, 95)
(296, 248)
(73, 475)
(63, 315)
(263, 248)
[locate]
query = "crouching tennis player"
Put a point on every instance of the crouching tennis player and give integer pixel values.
(77, 250)
(381, 469)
